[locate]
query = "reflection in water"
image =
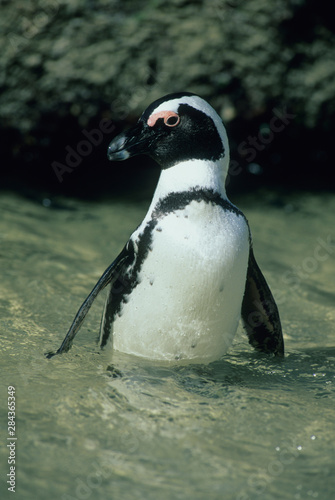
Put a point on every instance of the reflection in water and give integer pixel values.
(96, 425)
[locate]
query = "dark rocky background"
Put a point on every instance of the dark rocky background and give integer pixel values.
(72, 66)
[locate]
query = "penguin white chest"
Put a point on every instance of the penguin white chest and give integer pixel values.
(187, 301)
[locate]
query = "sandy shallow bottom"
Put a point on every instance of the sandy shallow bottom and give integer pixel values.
(91, 424)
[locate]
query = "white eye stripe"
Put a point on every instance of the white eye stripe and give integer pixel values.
(167, 117)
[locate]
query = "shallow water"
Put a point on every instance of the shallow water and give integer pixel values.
(91, 425)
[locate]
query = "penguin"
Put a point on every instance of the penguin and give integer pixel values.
(188, 272)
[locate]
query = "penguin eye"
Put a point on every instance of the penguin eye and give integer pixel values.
(172, 120)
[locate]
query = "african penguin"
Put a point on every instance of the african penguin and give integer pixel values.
(187, 273)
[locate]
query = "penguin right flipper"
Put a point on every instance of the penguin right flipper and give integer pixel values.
(260, 314)
(112, 273)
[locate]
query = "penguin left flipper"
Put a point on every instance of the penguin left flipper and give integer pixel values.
(111, 274)
(260, 315)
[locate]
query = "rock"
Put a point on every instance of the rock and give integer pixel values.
(66, 65)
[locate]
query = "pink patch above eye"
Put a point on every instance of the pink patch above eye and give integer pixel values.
(165, 115)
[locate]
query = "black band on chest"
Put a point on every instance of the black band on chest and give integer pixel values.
(180, 200)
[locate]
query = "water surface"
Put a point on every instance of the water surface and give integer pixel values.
(93, 425)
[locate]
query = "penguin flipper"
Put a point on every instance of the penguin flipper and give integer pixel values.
(260, 314)
(109, 276)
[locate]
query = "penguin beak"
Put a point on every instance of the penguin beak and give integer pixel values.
(134, 141)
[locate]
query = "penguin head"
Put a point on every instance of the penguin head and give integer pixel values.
(175, 128)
